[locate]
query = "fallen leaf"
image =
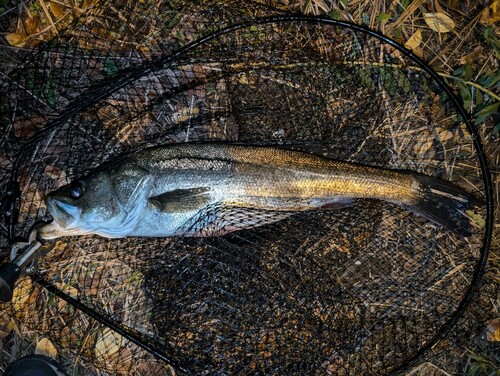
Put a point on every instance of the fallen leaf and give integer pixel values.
(89, 3)
(444, 134)
(493, 331)
(21, 294)
(472, 56)
(57, 10)
(423, 144)
(16, 39)
(45, 347)
(185, 114)
(31, 25)
(439, 22)
(6, 324)
(68, 289)
(414, 41)
(108, 344)
(491, 14)
(52, 172)
(67, 337)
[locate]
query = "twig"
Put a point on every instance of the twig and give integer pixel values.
(49, 17)
(418, 69)
(471, 83)
(407, 13)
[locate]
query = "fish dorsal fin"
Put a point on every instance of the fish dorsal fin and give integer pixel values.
(181, 200)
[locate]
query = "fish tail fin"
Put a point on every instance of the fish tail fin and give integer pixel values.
(444, 203)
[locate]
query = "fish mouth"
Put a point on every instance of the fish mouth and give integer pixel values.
(64, 214)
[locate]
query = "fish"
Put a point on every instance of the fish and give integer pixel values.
(212, 189)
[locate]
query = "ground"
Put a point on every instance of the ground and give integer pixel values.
(459, 39)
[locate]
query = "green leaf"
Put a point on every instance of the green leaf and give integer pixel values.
(383, 16)
(35, 8)
(335, 14)
(459, 72)
(468, 72)
(49, 93)
(496, 130)
(492, 40)
(489, 79)
(483, 114)
(110, 67)
(466, 95)
(479, 98)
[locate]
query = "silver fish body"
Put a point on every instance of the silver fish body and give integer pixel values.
(212, 189)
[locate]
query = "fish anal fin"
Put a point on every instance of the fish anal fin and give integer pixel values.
(181, 200)
(340, 204)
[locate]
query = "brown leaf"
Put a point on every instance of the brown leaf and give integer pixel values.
(491, 14)
(31, 25)
(109, 343)
(493, 331)
(439, 22)
(89, 3)
(444, 134)
(6, 324)
(45, 347)
(472, 56)
(111, 353)
(16, 39)
(67, 337)
(21, 295)
(57, 10)
(414, 41)
(52, 172)
(422, 147)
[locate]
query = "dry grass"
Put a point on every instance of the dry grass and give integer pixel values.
(466, 55)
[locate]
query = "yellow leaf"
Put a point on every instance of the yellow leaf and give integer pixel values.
(6, 324)
(493, 331)
(414, 41)
(108, 344)
(16, 39)
(31, 25)
(444, 134)
(439, 22)
(491, 14)
(56, 9)
(21, 294)
(45, 347)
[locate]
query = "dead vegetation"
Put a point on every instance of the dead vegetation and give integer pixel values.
(458, 39)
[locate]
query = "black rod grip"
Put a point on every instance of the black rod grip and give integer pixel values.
(9, 273)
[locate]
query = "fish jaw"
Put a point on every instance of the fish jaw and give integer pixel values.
(53, 230)
(65, 220)
(65, 214)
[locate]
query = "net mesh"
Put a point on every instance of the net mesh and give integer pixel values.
(355, 291)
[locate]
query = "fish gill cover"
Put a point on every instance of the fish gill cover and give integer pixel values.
(362, 290)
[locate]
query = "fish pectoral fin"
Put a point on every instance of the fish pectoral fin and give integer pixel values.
(220, 219)
(181, 200)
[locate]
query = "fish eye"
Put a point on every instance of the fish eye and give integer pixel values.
(76, 189)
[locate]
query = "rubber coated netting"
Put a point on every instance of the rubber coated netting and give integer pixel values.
(362, 290)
